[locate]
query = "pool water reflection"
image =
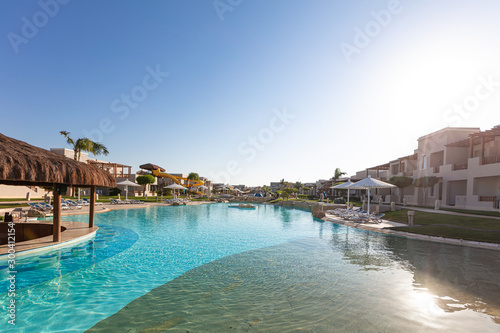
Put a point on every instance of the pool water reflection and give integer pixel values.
(209, 268)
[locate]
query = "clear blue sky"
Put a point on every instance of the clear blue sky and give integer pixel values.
(260, 90)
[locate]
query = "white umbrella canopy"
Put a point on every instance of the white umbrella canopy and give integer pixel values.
(367, 184)
(202, 188)
(344, 186)
(175, 187)
(127, 183)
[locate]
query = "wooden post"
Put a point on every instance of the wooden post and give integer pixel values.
(92, 207)
(56, 231)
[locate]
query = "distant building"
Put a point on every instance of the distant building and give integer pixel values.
(275, 186)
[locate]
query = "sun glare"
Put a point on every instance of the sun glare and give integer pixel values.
(423, 82)
(425, 303)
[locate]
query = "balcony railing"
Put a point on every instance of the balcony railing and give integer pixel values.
(436, 169)
(491, 159)
(459, 166)
(121, 175)
(487, 198)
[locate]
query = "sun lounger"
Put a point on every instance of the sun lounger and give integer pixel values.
(377, 218)
(353, 214)
(132, 201)
(32, 204)
(38, 206)
(136, 201)
(360, 218)
(117, 201)
(46, 206)
(70, 204)
(88, 202)
(341, 211)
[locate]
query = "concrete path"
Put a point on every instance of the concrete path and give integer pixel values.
(429, 210)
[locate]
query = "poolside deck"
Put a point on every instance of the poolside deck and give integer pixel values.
(75, 232)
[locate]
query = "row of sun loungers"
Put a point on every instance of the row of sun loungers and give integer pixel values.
(357, 215)
(123, 202)
(42, 206)
(65, 204)
(179, 200)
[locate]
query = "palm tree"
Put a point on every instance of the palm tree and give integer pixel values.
(84, 144)
(298, 186)
(266, 190)
(338, 174)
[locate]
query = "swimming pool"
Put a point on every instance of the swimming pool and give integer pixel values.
(208, 267)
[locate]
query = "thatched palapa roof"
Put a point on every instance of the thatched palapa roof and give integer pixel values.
(24, 164)
(151, 167)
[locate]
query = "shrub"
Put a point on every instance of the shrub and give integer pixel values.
(339, 200)
(114, 191)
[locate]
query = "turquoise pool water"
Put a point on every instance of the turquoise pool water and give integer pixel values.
(210, 268)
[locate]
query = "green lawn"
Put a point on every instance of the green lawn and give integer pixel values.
(425, 219)
(12, 199)
(2, 206)
(432, 224)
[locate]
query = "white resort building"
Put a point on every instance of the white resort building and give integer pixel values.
(465, 160)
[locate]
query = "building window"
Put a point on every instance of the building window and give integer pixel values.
(424, 162)
(395, 169)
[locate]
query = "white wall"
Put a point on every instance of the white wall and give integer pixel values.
(8, 191)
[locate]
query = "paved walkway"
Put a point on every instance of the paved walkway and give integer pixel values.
(383, 225)
(438, 211)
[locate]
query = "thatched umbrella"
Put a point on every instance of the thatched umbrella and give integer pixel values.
(151, 167)
(26, 165)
